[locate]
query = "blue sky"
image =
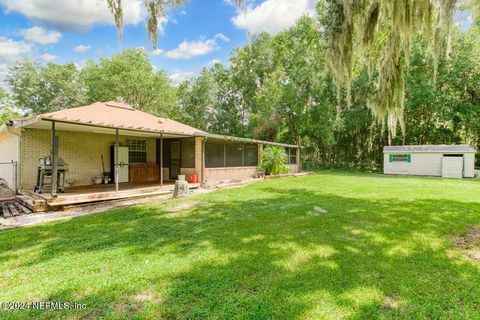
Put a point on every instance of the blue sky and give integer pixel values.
(192, 37)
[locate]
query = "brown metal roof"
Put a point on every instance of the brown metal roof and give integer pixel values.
(119, 115)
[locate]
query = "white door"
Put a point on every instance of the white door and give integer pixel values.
(452, 167)
(122, 164)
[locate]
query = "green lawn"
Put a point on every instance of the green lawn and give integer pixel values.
(384, 249)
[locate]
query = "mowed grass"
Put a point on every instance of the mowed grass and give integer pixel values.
(384, 249)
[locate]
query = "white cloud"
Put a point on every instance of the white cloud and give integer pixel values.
(189, 49)
(75, 14)
(11, 51)
(48, 57)
(82, 48)
(41, 35)
(273, 16)
(183, 12)
(179, 76)
(213, 62)
(222, 37)
(157, 52)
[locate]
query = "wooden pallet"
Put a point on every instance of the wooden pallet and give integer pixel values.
(10, 209)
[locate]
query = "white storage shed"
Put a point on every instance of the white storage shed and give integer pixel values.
(448, 161)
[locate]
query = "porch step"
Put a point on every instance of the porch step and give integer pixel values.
(59, 205)
(32, 202)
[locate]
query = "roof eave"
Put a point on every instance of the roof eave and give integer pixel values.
(50, 119)
(231, 138)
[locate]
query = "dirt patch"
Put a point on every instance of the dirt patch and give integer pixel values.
(470, 243)
(475, 256)
(470, 239)
(147, 296)
(184, 206)
(391, 302)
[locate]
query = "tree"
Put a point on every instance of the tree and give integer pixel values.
(130, 75)
(198, 100)
(41, 89)
(7, 108)
(381, 31)
(156, 10)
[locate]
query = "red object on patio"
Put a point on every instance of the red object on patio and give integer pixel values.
(193, 178)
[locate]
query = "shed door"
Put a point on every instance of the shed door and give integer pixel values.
(452, 167)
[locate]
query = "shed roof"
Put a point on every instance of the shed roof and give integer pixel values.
(439, 148)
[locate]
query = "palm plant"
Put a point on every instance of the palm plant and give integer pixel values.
(274, 160)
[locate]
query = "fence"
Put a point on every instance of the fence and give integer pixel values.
(8, 180)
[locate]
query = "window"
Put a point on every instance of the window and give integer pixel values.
(234, 154)
(251, 155)
(400, 158)
(187, 153)
(214, 154)
(292, 155)
(137, 150)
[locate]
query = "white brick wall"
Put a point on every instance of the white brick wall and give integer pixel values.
(81, 150)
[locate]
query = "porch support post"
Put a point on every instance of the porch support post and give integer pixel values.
(54, 160)
(204, 178)
(199, 158)
(260, 153)
(161, 159)
(289, 155)
(116, 160)
(224, 154)
(299, 161)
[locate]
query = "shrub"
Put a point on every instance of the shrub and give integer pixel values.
(274, 160)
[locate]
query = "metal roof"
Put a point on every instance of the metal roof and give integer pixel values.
(440, 148)
(119, 115)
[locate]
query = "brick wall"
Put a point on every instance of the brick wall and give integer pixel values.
(81, 150)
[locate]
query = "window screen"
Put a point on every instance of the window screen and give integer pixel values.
(234, 154)
(251, 155)
(137, 150)
(214, 154)
(188, 153)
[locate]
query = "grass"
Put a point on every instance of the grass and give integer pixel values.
(385, 249)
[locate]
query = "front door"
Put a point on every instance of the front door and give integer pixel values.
(174, 159)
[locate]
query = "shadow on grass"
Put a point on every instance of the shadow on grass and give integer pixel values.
(271, 256)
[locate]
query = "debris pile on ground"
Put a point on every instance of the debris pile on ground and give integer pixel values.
(5, 190)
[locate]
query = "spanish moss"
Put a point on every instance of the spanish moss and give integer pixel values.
(380, 32)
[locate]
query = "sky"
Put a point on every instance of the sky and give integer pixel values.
(197, 35)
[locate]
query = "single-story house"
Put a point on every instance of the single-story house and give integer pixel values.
(448, 161)
(149, 149)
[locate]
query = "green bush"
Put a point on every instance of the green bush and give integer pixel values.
(274, 160)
